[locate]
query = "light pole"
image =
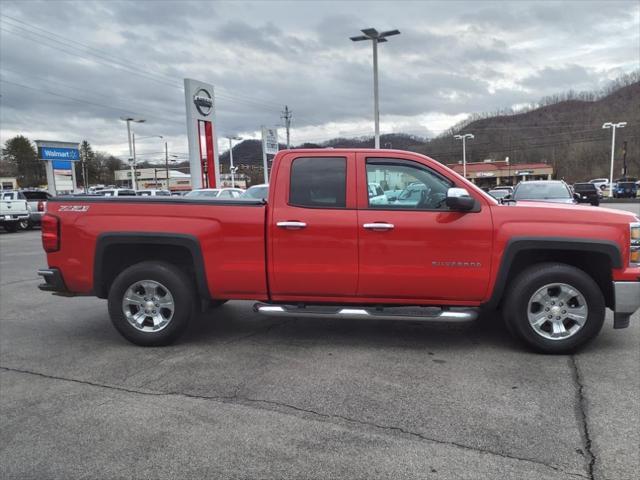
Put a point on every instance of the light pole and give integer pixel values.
(613, 127)
(464, 150)
(132, 148)
(155, 181)
(231, 169)
(375, 37)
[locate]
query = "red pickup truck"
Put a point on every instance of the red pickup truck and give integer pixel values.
(371, 234)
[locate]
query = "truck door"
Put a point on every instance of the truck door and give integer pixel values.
(312, 228)
(411, 246)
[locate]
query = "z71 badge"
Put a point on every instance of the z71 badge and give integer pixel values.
(73, 208)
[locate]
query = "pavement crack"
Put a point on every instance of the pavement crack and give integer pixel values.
(235, 398)
(413, 434)
(581, 409)
(24, 280)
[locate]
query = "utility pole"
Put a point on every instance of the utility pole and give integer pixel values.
(286, 116)
(624, 159)
(83, 152)
(613, 127)
(464, 150)
(375, 37)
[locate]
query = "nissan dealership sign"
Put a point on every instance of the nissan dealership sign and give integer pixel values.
(203, 102)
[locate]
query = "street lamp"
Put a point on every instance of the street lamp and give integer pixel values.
(134, 152)
(375, 37)
(464, 150)
(131, 148)
(231, 168)
(613, 127)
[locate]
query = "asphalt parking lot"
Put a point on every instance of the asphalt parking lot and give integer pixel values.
(242, 396)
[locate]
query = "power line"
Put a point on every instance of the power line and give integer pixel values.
(116, 63)
(110, 107)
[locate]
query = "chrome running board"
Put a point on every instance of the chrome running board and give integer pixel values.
(416, 314)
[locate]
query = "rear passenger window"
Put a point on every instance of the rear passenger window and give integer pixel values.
(319, 182)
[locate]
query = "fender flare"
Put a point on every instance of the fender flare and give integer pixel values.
(189, 242)
(520, 244)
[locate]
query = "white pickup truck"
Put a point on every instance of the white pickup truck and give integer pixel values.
(13, 210)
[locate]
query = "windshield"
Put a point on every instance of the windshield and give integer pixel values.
(203, 193)
(540, 191)
(259, 193)
(35, 195)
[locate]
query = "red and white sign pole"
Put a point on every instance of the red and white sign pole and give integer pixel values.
(201, 132)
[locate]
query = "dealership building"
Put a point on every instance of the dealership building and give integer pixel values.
(154, 178)
(491, 173)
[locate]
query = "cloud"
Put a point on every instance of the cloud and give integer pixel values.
(71, 69)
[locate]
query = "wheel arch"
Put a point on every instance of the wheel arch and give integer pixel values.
(595, 257)
(116, 251)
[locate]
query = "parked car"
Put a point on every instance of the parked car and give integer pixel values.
(499, 194)
(600, 183)
(153, 193)
(553, 191)
(376, 194)
(116, 192)
(257, 192)
(587, 192)
(37, 200)
(508, 188)
(14, 210)
(317, 248)
(625, 189)
(215, 193)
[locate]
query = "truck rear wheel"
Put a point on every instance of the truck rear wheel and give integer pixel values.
(554, 308)
(11, 227)
(151, 303)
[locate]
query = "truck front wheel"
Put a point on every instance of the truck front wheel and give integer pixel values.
(151, 303)
(554, 308)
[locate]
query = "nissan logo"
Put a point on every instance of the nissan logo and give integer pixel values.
(203, 102)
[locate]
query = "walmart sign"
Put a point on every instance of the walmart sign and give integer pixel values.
(59, 153)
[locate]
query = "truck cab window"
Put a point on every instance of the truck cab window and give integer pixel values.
(402, 185)
(318, 182)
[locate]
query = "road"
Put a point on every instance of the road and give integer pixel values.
(242, 396)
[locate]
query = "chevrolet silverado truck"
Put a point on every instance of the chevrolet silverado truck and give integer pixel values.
(438, 249)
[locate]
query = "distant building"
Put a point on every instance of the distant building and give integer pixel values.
(491, 173)
(240, 180)
(8, 183)
(154, 178)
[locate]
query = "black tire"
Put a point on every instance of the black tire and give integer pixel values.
(175, 281)
(11, 227)
(25, 225)
(595, 203)
(530, 281)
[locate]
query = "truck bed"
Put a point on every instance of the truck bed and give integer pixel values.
(227, 235)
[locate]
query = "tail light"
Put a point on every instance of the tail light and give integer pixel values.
(50, 228)
(40, 206)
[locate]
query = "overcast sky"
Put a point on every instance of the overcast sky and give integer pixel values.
(69, 70)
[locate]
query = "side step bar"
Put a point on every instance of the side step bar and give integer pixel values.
(416, 314)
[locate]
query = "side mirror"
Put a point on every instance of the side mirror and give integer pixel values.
(459, 199)
(576, 196)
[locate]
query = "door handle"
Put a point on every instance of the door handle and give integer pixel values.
(378, 226)
(291, 224)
